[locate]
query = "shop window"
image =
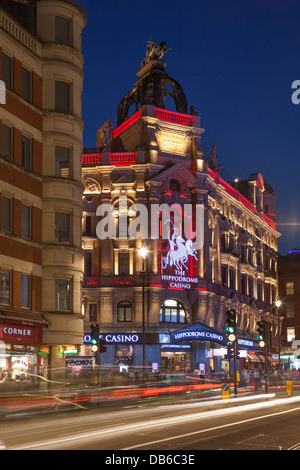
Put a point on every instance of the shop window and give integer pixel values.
(124, 313)
(62, 97)
(6, 150)
(62, 227)
(6, 215)
(7, 71)
(25, 291)
(5, 287)
(172, 311)
(62, 30)
(63, 294)
(25, 221)
(26, 84)
(62, 161)
(289, 286)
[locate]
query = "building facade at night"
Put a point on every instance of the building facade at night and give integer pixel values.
(154, 157)
(41, 127)
(289, 295)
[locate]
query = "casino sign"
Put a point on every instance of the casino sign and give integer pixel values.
(200, 332)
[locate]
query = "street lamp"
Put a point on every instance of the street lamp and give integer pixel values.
(143, 253)
(278, 304)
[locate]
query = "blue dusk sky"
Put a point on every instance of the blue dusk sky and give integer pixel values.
(236, 61)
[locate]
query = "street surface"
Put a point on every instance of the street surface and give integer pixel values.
(249, 423)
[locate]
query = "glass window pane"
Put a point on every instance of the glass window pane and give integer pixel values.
(62, 294)
(25, 221)
(26, 84)
(62, 161)
(25, 291)
(26, 152)
(289, 288)
(62, 227)
(6, 213)
(62, 30)
(62, 97)
(6, 142)
(6, 71)
(5, 287)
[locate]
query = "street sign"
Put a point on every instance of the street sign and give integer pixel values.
(225, 391)
(289, 387)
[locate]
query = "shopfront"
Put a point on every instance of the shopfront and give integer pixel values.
(23, 358)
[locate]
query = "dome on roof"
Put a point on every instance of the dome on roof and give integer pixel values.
(154, 85)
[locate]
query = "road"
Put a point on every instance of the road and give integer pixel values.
(259, 424)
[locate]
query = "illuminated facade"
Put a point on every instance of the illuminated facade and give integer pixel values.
(155, 157)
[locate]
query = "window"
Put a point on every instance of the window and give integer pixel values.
(62, 161)
(290, 334)
(6, 142)
(289, 310)
(26, 160)
(6, 213)
(92, 313)
(124, 313)
(25, 291)
(25, 221)
(289, 286)
(7, 71)
(123, 263)
(62, 227)
(88, 263)
(258, 296)
(232, 279)
(5, 287)
(26, 84)
(172, 311)
(62, 294)
(62, 97)
(244, 284)
(62, 30)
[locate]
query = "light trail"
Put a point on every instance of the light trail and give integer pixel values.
(106, 433)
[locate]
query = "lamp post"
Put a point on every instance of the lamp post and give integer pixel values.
(278, 304)
(143, 253)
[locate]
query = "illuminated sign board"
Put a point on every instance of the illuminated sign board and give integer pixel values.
(115, 338)
(198, 331)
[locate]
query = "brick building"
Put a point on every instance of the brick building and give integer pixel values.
(40, 182)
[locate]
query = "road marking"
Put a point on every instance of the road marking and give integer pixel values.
(209, 429)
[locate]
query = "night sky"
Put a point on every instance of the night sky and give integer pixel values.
(236, 61)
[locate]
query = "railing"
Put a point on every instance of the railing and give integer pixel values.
(92, 159)
(239, 197)
(170, 116)
(122, 159)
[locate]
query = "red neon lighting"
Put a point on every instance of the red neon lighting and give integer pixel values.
(126, 124)
(239, 197)
(122, 159)
(92, 159)
(171, 116)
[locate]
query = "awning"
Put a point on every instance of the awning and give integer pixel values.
(254, 358)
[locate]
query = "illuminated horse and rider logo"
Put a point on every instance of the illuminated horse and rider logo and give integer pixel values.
(180, 250)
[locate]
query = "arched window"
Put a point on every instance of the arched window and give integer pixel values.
(124, 312)
(172, 311)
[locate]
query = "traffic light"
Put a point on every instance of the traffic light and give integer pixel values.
(94, 334)
(261, 330)
(231, 324)
(261, 333)
(102, 347)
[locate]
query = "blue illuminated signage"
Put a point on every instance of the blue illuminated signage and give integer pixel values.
(198, 331)
(115, 338)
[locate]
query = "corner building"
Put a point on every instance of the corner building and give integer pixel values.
(41, 258)
(154, 156)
